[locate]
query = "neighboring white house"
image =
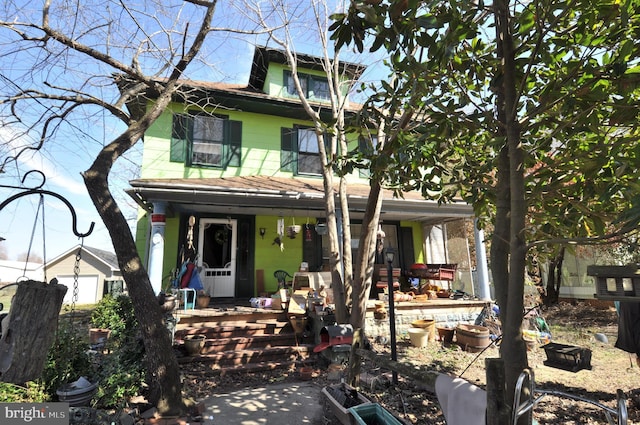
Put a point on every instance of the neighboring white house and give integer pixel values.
(12, 271)
(98, 274)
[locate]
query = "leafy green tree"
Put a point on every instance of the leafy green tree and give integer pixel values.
(529, 112)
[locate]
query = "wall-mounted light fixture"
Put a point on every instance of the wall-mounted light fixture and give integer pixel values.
(263, 231)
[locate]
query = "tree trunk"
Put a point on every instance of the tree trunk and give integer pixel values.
(554, 279)
(364, 270)
(162, 367)
(498, 412)
(513, 347)
(33, 321)
(508, 251)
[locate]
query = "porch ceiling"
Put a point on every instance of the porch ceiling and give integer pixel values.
(257, 195)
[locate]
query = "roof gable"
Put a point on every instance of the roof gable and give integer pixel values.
(105, 257)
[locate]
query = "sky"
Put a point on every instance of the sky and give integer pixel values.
(48, 232)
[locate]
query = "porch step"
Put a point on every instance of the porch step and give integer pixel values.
(210, 317)
(242, 339)
(217, 345)
(235, 329)
(244, 357)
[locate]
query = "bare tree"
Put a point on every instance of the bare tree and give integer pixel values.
(59, 65)
(376, 124)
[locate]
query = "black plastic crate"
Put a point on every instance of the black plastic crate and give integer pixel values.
(567, 357)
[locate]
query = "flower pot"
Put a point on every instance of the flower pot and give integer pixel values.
(419, 337)
(445, 334)
(98, 335)
(380, 311)
(472, 338)
(292, 231)
(321, 229)
(341, 397)
(427, 324)
(78, 393)
(194, 344)
(202, 301)
(169, 303)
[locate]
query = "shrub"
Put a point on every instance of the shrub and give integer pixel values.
(34, 392)
(115, 313)
(68, 358)
(121, 372)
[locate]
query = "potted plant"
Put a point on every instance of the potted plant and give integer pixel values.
(116, 315)
(69, 370)
(202, 299)
(292, 231)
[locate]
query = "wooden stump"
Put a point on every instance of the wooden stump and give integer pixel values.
(33, 321)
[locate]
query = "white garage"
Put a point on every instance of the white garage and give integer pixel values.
(98, 274)
(87, 288)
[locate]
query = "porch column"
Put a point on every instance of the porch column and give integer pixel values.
(156, 246)
(482, 271)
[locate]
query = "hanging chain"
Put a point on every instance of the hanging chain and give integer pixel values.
(76, 273)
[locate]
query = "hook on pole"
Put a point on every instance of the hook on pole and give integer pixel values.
(40, 191)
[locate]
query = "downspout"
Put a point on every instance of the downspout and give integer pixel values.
(482, 270)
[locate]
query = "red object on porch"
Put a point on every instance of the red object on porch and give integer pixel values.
(334, 335)
(186, 277)
(434, 271)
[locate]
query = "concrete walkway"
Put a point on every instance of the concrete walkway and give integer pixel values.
(292, 403)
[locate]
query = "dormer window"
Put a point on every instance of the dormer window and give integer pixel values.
(314, 87)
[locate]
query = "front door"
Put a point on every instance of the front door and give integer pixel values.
(217, 244)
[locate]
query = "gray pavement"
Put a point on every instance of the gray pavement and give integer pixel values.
(290, 403)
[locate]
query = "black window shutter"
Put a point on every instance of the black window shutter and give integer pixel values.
(233, 143)
(288, 149)
(179, 137)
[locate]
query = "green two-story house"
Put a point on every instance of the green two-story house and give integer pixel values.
(228, 168)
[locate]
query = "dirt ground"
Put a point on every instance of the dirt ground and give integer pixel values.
(575, 325)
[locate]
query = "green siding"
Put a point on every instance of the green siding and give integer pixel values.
(271, 258)
(418, 239)
(274, 81)
(171, 249)
(260, 153)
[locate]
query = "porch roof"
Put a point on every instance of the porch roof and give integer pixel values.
(262, 195)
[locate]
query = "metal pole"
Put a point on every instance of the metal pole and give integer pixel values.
(392, 315)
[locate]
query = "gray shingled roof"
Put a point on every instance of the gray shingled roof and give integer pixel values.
(108, 257)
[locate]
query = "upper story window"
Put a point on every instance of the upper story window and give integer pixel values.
(299, 151)
(205, 140)
(314, 87)
(367, 146)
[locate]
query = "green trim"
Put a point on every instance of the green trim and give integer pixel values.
(181, 147)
